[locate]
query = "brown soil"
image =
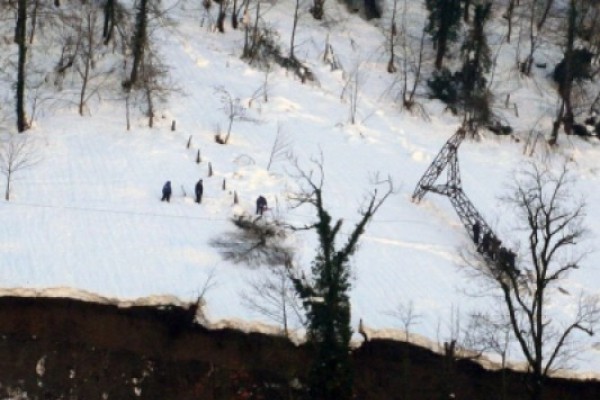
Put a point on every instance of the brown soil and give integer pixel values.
(68, 349)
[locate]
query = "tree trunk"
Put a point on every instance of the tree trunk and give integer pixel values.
(20, 39)
(537, 385)
(88, 60)
(545, 14)
(467, 6)
(234, 15)
(127, 116)
(109, 20)
(440, 52)
(556, 125)
(139, 40)
(34, 20)
(226, 140)
(221, 16)
(509, 15)
(7, 192)
(294, 26)
(567, 87)
(393, 32)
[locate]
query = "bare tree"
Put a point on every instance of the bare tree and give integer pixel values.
(508, 15)
(355, 83)
(281, 149)
(110, 17)
(407, 316)
(261, 44)
(34, 14)
(552, 219)
(251, 32)
(489, 333)
(152, 87)
(197, 308)
(70, 42)
(539, 11)
(354, 80)
(87, 56)
(272, 295)
(223, 6)
(391, 67)
(235, 14)
(329, 57)
(233, 109)
(589, 24)
(155, 86)
(146, 84)
(412, 62)
(294, 26)
(139, 41)
(263, 89)
(450, 346)
(17, 153)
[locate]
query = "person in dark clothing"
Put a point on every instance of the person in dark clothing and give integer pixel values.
(485, 243)
(199, 189)
(495, 248)
(476, 232)
(261, 205)
(511, 262)
(166, 192)
(502, 257)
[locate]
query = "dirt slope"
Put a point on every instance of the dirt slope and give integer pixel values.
(62, 348)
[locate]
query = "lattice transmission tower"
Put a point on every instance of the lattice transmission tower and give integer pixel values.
(486, 241)
(481, 233)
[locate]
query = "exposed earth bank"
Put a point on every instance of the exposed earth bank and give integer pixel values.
(53, 348)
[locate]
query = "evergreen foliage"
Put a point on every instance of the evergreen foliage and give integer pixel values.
(317, 9)
(327, 307)
(476, 52)
(443, 86)
(467, 88)
(443, 24)
(581, 67)
(476, 63)
(325, 297)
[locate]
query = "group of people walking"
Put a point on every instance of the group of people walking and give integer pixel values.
(491, 247)
(167, 191)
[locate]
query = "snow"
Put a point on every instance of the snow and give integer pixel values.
(87, 222)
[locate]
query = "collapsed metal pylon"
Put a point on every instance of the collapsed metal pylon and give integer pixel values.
(446, 156)
(480, 232)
